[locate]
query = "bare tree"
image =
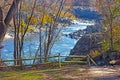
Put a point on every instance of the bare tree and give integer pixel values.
(50, 16)
(20, 29)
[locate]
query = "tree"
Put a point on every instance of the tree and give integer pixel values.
(110, 10)
(2, 26)
(43, 17)
(50, 15)
(4, 23)
(20, 29)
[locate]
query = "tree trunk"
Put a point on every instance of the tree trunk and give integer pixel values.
(3, 27)
(4, 23)
(11, 11)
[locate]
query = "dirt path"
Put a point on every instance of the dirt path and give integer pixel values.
(77, 73)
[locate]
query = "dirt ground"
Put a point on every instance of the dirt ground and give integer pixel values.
(71, 72)
(84, 73)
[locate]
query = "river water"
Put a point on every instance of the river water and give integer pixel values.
(63, 46)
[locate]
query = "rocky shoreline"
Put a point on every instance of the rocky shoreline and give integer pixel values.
(89, 30)
(87, 39)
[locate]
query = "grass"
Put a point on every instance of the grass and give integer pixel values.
(23, 75)
(65, 73)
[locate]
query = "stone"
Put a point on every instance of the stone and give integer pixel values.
(90, 39)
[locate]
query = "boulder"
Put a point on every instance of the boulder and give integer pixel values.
(86, 43)
(115, 62)
(90, 39)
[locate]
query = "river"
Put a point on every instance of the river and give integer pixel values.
(63, 46)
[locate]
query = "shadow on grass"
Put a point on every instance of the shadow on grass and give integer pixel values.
(65, 79)
(108, 78)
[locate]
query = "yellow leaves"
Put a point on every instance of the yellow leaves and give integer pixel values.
(115, 39)
(116, 30)
(68, 7)
(105, 45)
(25, 7)
(46, 18)
(23, 27)
(117, 1)
(54, 6)
(38, 8)
(34, 20)
(22, 23)
(69, 15)
(116, 33)
(95, 53)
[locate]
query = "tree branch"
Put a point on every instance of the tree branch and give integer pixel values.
(11, 11)
(2, 26)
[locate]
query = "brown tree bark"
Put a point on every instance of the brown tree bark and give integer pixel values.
(3, 28)
(4, 23)
(11, 11)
